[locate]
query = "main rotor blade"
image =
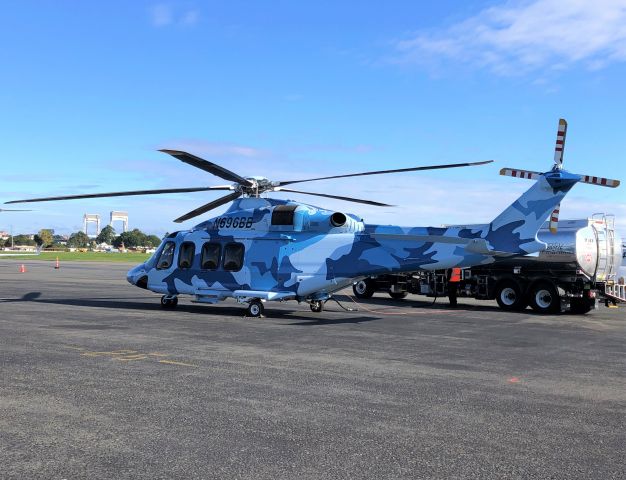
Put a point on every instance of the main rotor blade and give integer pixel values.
(207, 166)
(13, 210)
(380, 172)
(122, 194)
(209, 206)
(347, 199)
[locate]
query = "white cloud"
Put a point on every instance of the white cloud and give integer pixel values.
(524, 36)
(163, 15)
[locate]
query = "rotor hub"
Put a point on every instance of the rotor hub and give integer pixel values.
(258, 185)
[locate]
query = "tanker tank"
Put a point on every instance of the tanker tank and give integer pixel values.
(591, 246)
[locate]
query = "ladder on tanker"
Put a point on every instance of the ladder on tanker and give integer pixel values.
(612, 289)
(615, 291)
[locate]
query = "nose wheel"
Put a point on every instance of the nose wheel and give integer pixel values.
(169, 301)
(317, 306)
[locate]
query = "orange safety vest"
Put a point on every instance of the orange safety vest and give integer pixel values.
(456, 275)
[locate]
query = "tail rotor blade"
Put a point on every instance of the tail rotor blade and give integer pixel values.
(560, 143)
(511, 172)
(603, 182)
(554, 219)
(209, 206)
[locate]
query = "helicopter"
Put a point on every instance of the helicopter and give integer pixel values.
(267, 249)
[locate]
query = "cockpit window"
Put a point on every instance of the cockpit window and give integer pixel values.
(283, 214)
(167, 256)
(185, 257)
(233, 256)
(210, 256)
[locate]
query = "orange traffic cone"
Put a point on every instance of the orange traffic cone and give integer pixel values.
(57, 266)
(22, 268)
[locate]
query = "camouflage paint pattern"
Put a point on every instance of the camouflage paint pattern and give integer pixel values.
(313, 258)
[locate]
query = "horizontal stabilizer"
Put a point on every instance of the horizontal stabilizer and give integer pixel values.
(480, 246)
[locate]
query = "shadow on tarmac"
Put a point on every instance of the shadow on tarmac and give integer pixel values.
(117, 304)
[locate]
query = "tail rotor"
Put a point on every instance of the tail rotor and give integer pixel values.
(558, 166)
(559, 147)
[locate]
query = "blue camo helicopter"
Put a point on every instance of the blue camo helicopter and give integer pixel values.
(264, 249)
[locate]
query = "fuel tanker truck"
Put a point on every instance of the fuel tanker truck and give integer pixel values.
(578, 267)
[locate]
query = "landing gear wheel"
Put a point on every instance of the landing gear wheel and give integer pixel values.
(255, 308)
(169, 301)
(510, 297)
(317, 306)
(363, 288)
(544, 298)
(398, 295)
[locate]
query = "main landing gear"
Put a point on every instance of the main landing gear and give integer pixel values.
(255, 308)
(169, 301)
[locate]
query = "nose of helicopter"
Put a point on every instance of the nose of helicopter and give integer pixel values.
(138, 276)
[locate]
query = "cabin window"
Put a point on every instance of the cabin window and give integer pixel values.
(211, 256)
(283, 214)
(167, 256)
(233, 256)
(185, 257)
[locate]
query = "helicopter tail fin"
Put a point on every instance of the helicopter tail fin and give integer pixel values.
(515, 229)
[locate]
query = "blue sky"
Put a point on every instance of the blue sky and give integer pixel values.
(89, 91)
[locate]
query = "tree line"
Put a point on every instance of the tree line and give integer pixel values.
(46, 238)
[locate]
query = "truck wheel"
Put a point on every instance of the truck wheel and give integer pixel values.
(363, 288)
(509, 296)
(544, 298)
(398, 295)
(579, 306)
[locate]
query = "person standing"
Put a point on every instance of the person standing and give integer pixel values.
(454, 277)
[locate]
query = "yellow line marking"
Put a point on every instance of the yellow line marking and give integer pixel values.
(133, 357)
(73, 348)
(102, 354)
(129, 359)
(172, 362)
(158, 354)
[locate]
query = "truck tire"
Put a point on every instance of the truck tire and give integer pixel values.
(580, 306)
(544, 298)
(398, 295)
(363, 288)
(510, 296)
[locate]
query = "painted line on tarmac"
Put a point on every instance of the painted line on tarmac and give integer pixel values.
(127, 355)
(172, 362)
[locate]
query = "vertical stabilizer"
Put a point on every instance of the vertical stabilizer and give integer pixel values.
(515, 229)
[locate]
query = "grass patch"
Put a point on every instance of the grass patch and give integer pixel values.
(131, 257)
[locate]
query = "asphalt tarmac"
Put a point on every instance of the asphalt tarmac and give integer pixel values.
(98, 382)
